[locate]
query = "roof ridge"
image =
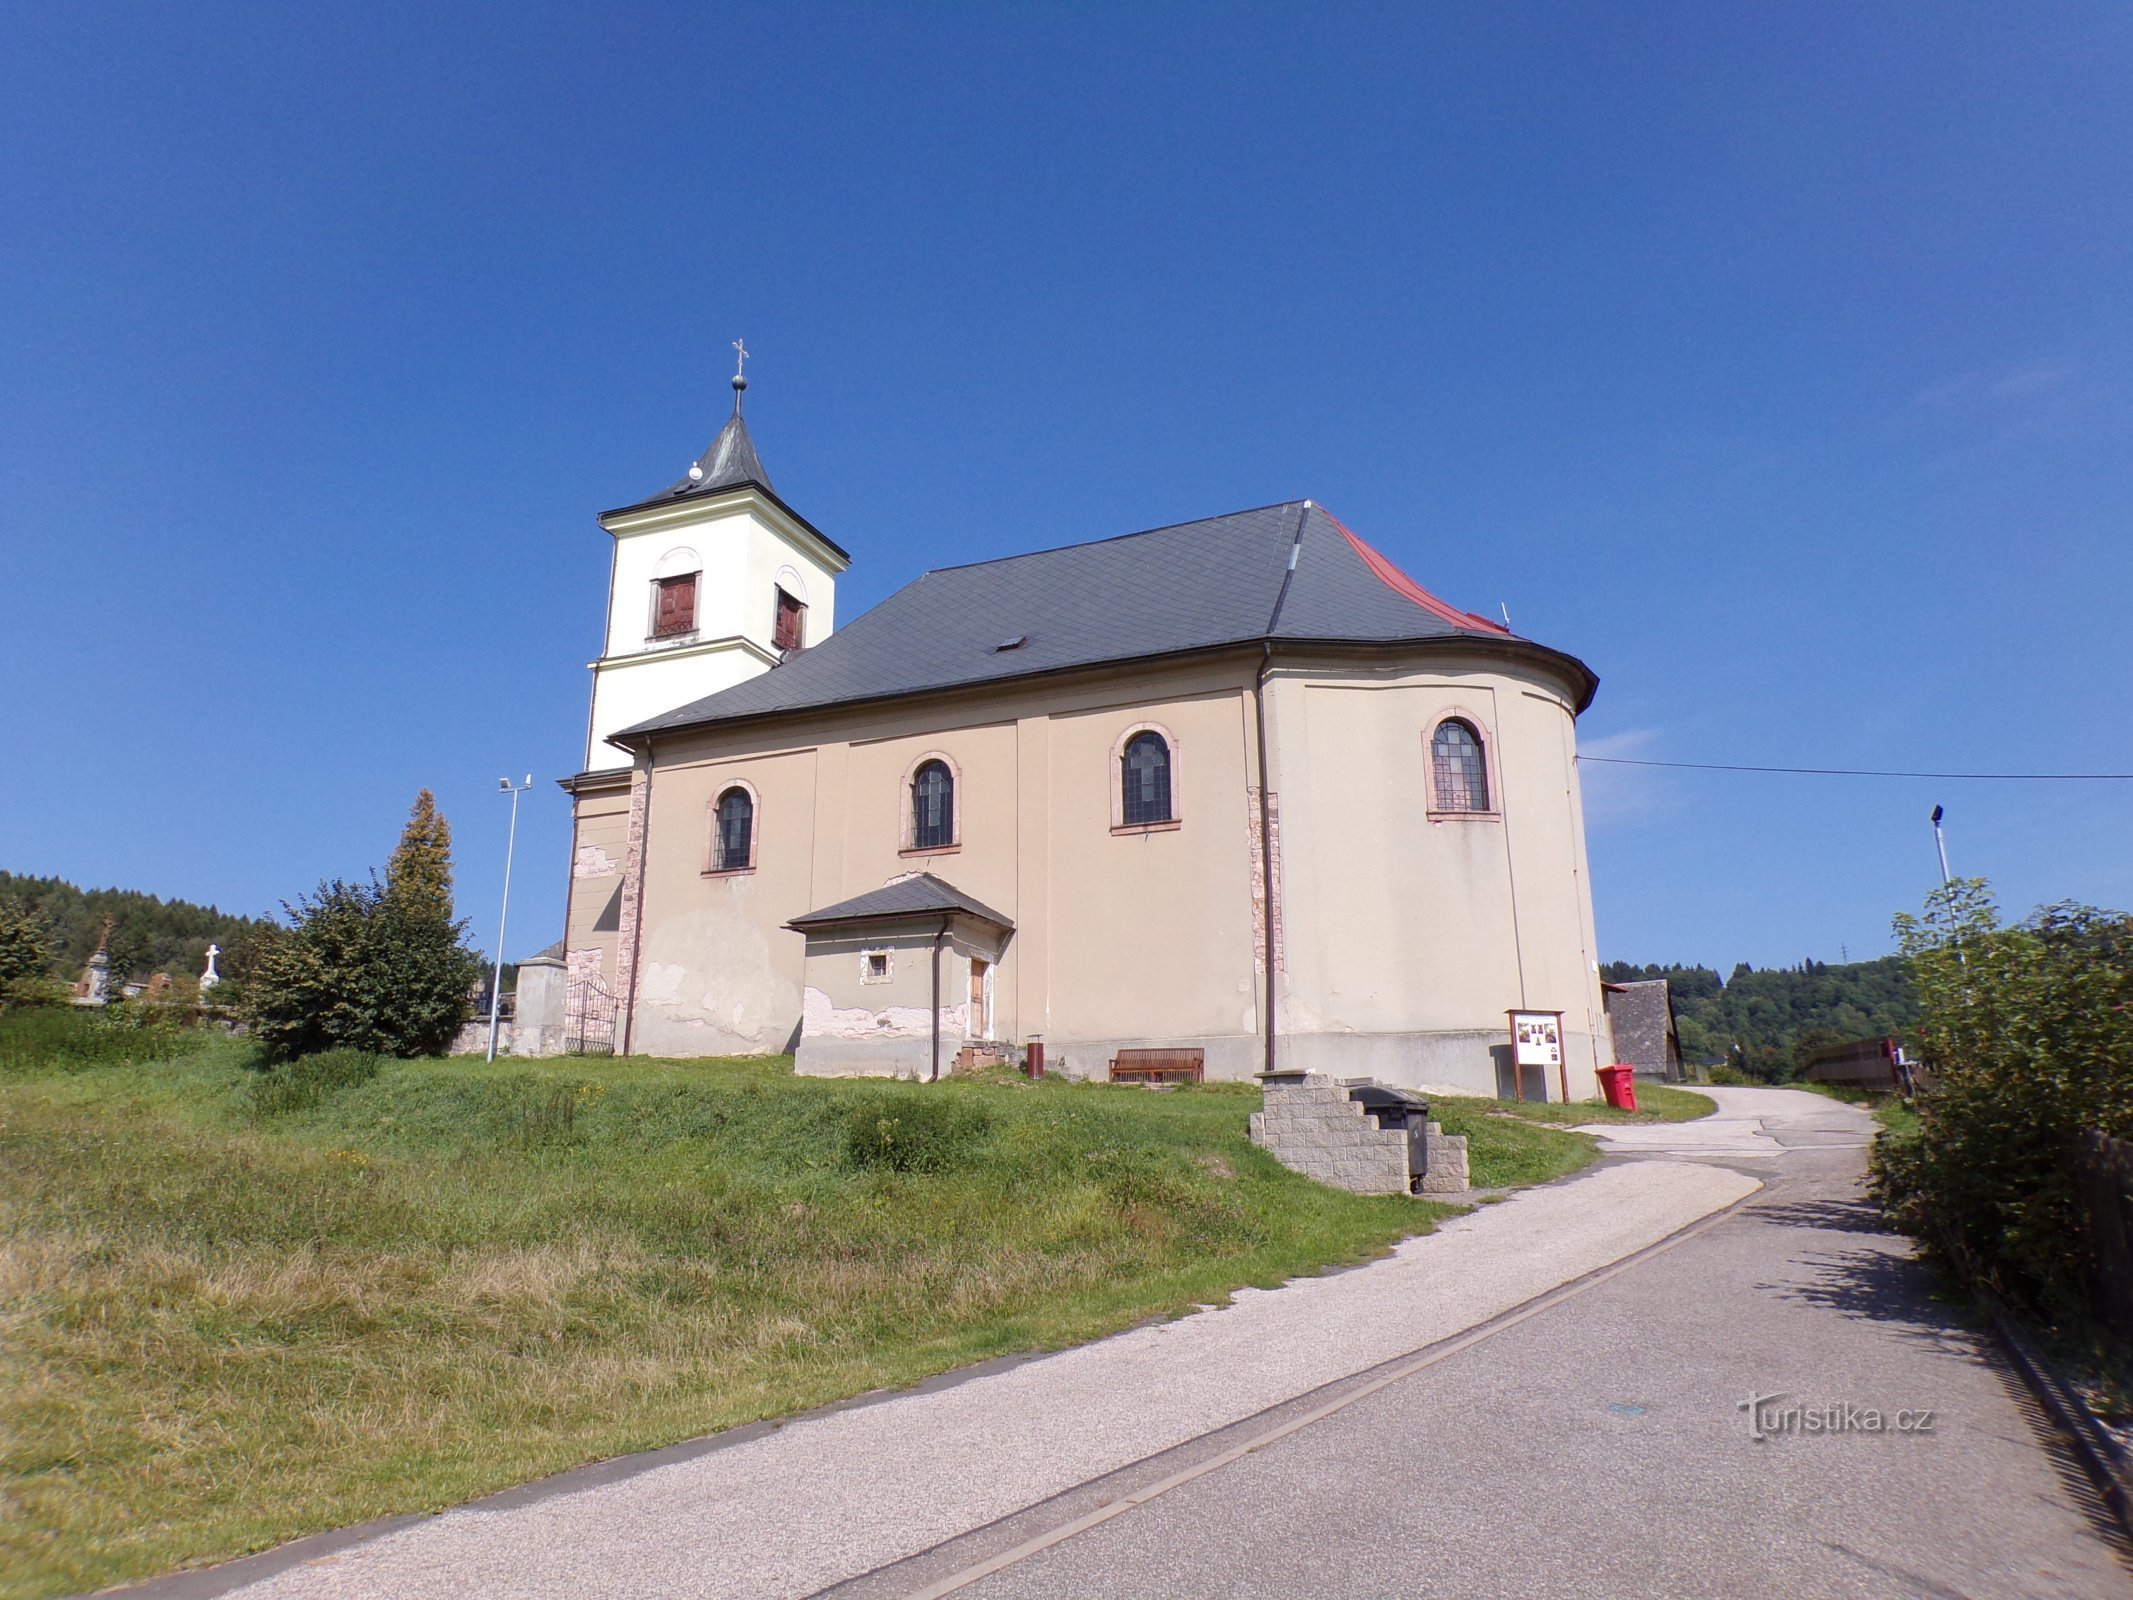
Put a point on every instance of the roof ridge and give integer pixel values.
(1296, 544)
(1116, 538)
(1382, 568)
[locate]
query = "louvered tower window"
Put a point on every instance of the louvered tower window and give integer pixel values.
(932, 807)
(674, 605)
(789, 626)
(1146, 777)
(1456, 763)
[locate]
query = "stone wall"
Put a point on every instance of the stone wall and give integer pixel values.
(1311, 1126)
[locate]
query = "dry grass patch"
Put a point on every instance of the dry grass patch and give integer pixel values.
(229, 1317)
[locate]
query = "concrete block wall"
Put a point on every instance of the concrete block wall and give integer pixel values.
(1311, 1126)
(1444, 1157)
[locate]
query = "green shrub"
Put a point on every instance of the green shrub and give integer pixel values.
(361, 969)
(2029, 1030)
(304, 1083)
(914, 1131)
(1731, 1077)
(36, 992)
(72, 1038)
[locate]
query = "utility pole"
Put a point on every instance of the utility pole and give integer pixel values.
(496, 981)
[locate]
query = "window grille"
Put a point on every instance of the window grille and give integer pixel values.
(1146, 778)
(1462, 776)
(736, 827)
(932, 807)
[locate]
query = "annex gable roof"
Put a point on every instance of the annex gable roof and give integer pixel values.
(1285, 574)
(921, 895)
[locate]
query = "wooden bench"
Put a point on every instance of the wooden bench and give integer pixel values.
(1158, 1066)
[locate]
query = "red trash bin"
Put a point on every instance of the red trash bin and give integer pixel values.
(1618, 1085)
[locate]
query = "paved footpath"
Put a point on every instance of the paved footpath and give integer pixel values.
(1539, 1399)
(832, 1496)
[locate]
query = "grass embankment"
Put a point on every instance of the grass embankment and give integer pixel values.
(238, 1307)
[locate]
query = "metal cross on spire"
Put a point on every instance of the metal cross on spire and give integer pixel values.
(740, 373)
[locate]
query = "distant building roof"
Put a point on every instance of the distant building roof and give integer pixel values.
(1283, 574)
(923, 895)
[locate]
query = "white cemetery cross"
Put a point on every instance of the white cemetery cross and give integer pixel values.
(211, 977)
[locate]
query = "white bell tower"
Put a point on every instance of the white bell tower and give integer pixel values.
(713, 580)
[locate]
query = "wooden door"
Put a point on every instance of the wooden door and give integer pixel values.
(980, 1020)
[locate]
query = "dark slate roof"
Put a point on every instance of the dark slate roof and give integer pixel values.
(920, 896)
(1193, 586)
(730, 461)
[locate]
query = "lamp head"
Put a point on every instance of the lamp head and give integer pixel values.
(1937, 814)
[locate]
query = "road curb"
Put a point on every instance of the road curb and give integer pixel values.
(2101, 1456)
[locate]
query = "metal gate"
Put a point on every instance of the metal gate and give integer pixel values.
(588, 1018)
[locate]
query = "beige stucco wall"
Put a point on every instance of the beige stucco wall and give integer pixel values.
(884, 1027)
(1399, 951)
(1408, 935)
(599, 849)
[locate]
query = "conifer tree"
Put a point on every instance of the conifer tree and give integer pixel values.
(418, 877)
(25, 942)
(378, 966)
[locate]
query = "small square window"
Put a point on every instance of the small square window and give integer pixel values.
(874, 966)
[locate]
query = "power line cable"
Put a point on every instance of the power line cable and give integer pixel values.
(1867, 772)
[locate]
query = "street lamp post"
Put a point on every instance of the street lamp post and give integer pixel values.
(496, 982)
(1940, 843)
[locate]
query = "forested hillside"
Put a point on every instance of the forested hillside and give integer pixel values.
(148, 934)
(1768, 1022)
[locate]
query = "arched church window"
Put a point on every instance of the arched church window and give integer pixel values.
(1460, 773)
(932, 807)
(1145, 772)
(734, 840)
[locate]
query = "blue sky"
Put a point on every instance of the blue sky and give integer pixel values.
(1776, 359)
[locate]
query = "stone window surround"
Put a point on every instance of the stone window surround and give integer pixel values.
(1115, 782)
(907, 809)
(1487, 739)
(888, 966)
(755, 829)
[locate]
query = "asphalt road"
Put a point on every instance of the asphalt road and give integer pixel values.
(1600, 1447)
(1542, 1398)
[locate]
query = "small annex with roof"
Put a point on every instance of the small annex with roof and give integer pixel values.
(1238, 784)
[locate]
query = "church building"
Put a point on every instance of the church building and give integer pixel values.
(1237, 786)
